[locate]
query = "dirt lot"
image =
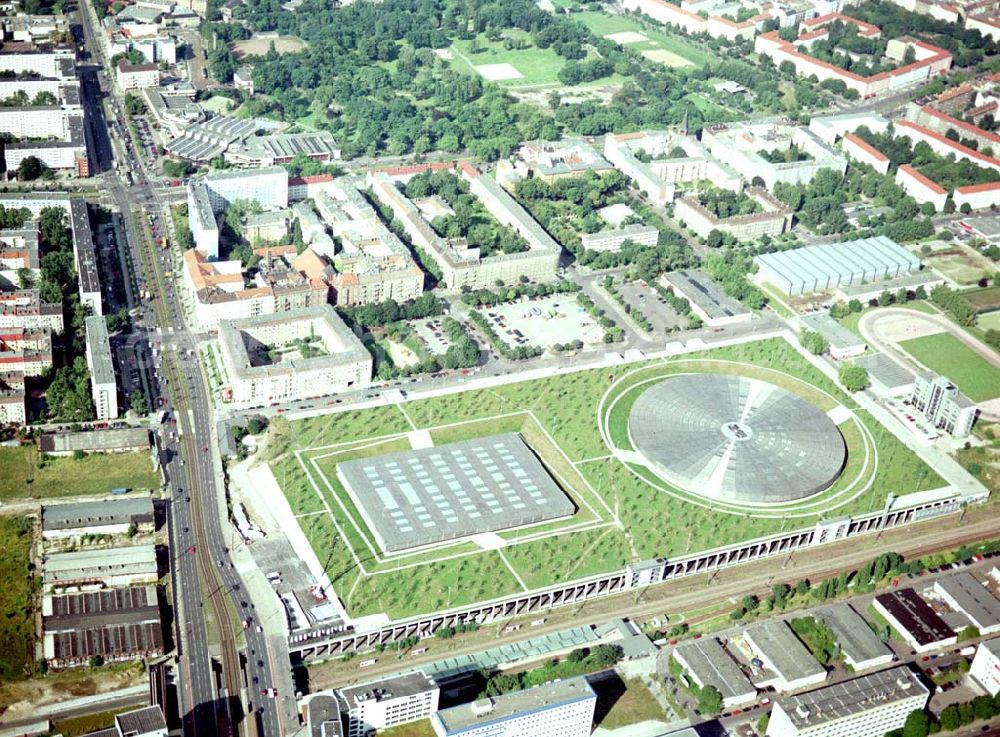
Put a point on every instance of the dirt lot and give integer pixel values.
(18, 700)
(258, 46)
(958, 262)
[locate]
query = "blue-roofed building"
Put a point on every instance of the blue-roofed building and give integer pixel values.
(559, 709)
(832, 265)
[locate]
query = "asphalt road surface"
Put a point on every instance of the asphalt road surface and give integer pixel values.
(203, 577)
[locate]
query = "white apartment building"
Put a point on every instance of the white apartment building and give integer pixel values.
(382, 704)
(612, 239)
(461, 263)
(46, 121)
(132, 77)
(870, 705)
(201, 221)
(743, 145)
(56, 64)
(255, 380)
(673, 158)
(558, 709)
(985, 668)
(155, 49)
(921, 188)
(267, 186)
(103, 387)
(943, 405)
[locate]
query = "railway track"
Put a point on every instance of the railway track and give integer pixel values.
(181, 404)
(702, 591)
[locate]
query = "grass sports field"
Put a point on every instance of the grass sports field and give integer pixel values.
(624, 514)
(531, 66)
(948, 356)
(604, 24)
(25, 473)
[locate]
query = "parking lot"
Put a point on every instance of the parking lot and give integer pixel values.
(545, 322)
(291, 581)
(432, 334)
(645, 300)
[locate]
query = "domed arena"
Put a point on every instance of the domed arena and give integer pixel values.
(736, 439)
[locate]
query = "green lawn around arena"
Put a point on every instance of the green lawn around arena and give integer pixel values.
(623, 516)
(947, 355)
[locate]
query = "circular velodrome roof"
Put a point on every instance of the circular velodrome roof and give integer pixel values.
(736, 439)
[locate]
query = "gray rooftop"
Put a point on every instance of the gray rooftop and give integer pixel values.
(837, 262)
(102, 369)
(148, 720)
(61, 567)
(915, 616)
(735, 438)
(712, 665)
(500, 708)
(992, 646)
(398, 686)
(514, 651)
(86, 514)
(225, 175)
(698, 288)
(634, 643)
(836, 334)
(289, 145)
(908, 281)
(323, 716)
(114, 439)
(419, 497)
(855, 638)
(987, 225)
(849, 698)
(885, 371)
(973, 599)
(202, 141)
(776, 642)
(83, 247)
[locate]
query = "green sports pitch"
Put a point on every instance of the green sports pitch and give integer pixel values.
(575, 425)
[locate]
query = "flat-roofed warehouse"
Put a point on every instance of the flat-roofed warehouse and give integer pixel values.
(792, 664)
(843, 342)
(708, 300)
(861, 647)
(112, 517)
(710, 664)
(831, 265)
(888, 377)
(911, 616)
(870, 705)
(419, 497)
(115, 624)
(106, 566)
(117, 440)
(964, 593)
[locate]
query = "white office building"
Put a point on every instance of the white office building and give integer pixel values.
(870, 705)
(103, 387)
(985, 668)
(392, 701)
(559, 709)
(943, 405)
